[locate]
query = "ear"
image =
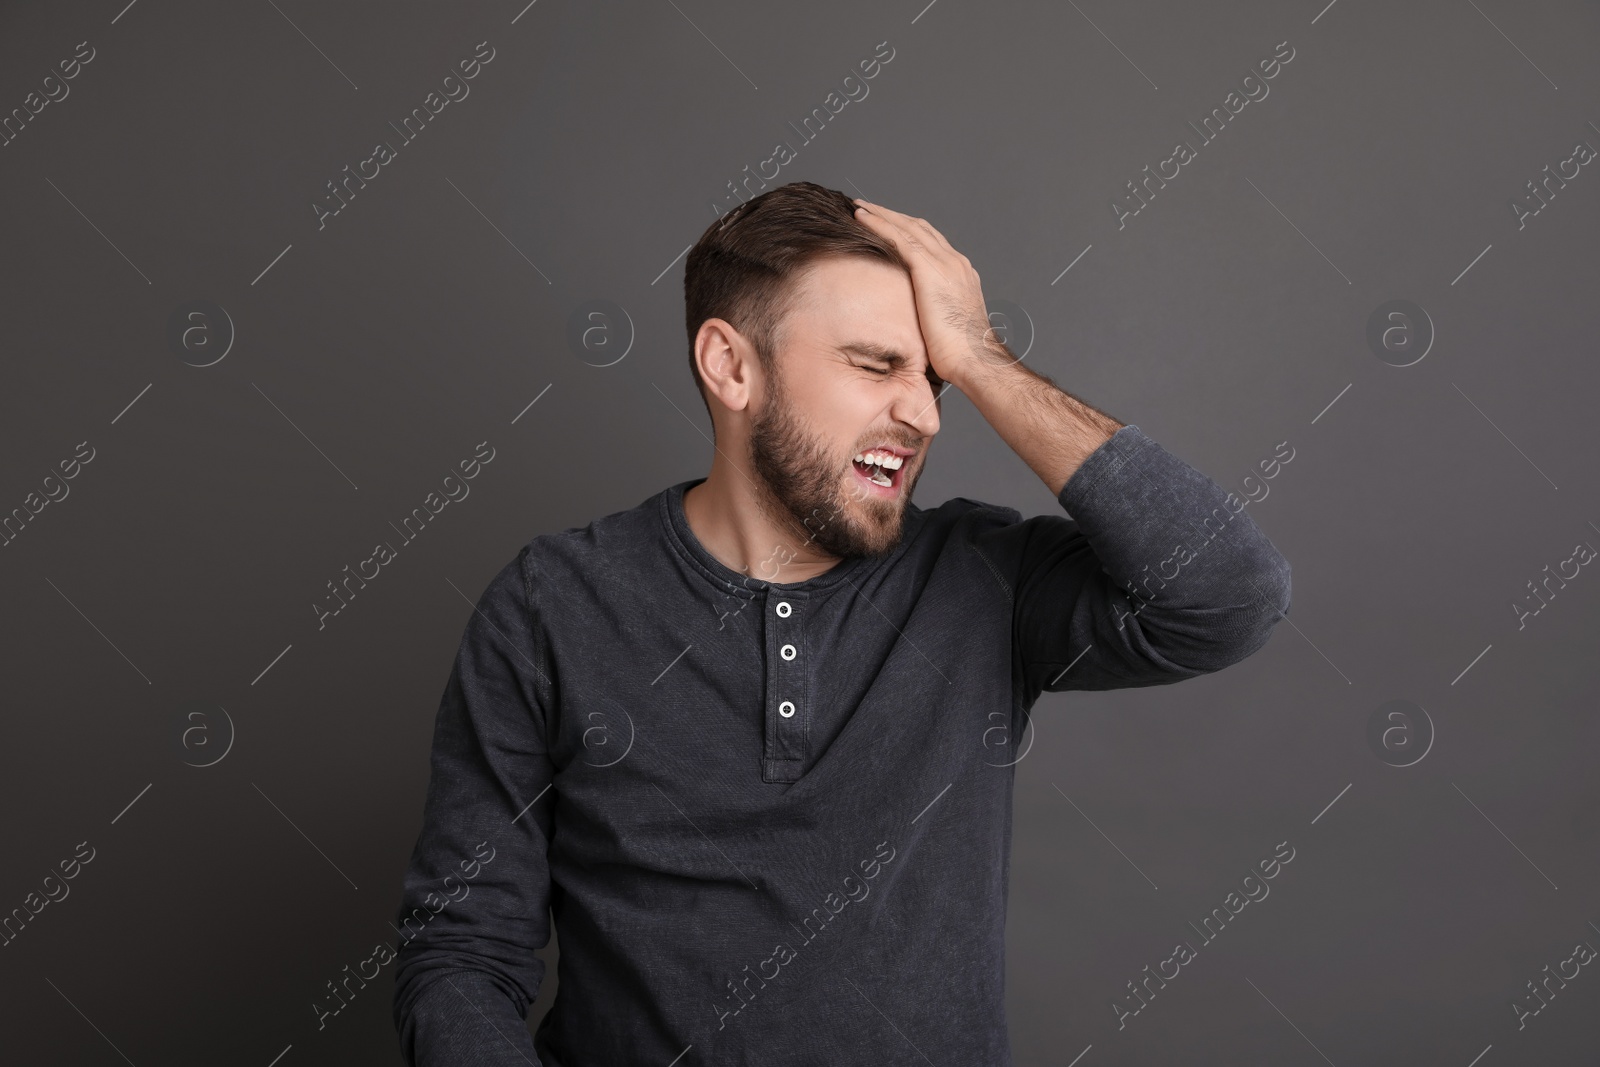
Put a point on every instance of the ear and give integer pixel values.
(727, 363)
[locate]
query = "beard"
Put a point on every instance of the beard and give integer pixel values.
(804, 486)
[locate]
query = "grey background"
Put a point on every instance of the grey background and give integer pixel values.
(373, 354)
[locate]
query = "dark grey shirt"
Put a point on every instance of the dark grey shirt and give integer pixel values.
(772, 822)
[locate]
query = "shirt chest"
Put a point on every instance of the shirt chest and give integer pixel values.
(762, 688)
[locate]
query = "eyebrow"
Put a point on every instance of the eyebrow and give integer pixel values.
(873, 350)
(892, 356)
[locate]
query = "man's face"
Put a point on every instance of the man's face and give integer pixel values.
(838, 393)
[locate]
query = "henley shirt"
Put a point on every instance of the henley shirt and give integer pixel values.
(771, 822)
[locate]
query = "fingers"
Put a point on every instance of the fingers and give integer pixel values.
(902, 224)
(918, 230)
(914, 226)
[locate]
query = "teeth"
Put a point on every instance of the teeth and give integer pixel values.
(881, 478)
(886, 460)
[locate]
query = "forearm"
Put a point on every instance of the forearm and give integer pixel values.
(1053, 431)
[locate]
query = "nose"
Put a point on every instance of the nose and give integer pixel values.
(918, 406)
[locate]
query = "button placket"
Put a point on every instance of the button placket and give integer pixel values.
(787, 714)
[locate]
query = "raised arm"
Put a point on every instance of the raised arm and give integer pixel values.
(476, 896)
(1159, 575)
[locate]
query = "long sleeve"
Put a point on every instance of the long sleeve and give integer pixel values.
(1159, 575)
(476, 894)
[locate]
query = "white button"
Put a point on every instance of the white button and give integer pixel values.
(786, 709)
(787, 652)
(783, 609)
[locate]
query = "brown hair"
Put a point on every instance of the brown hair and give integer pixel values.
(746, 264)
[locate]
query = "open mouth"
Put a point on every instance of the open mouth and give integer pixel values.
(882, 473)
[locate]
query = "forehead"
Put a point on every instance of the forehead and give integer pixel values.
(857, 305)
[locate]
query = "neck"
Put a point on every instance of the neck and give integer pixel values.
(737, 521)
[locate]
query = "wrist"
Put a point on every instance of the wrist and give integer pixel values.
(985, 362)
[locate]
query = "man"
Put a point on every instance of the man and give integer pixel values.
(752, 741)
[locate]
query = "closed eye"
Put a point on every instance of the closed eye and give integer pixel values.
(933, 378)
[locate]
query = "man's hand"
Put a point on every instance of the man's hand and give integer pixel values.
(954, 320)
(950, 310)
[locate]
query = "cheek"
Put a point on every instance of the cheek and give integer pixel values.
(844, 418)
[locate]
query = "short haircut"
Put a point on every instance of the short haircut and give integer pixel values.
(746, 266)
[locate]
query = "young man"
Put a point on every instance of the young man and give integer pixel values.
(752, 741)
